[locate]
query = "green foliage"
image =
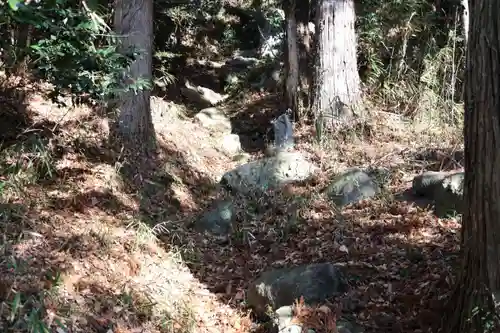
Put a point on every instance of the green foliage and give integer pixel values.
(412, 51)
(229, 37)
(71, 47)
(14, 4)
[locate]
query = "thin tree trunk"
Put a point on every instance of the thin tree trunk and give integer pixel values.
(134, 21)
(471, 308)
(18, 62)
(302, 11)
(291, 59)
(336, 75)
(465, 20)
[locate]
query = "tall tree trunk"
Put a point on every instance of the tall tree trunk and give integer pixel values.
(465, 19)
(134, 21)
(336, 75)
(472, 306)
(291, 59)
(302, 13)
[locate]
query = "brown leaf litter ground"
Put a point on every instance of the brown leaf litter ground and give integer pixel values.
(83, 252)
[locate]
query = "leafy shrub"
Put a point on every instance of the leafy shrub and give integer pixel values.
(71, 47)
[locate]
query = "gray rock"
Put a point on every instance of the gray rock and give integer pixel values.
(282, 320)
(445, 189)
(215, 119)
(268, 173)
(283, 132)
(449, 196)
(282, 287)
(352, 186)
(218, 220)
(231, 144)
(241, 61)
(209, 63)
(425, 184)
(202, 96)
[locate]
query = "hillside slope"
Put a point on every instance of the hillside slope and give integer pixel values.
(84, 251)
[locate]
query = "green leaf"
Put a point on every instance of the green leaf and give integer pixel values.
(15, 306)
(14, 4)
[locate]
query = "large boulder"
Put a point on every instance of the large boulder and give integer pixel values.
(268, 173)
(282, 287)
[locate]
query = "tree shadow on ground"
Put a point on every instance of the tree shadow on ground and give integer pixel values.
(418, 273)
(44, 249)
(172, 189)
(169, 187)
(408, 195)
(252, 121)
(101, 199)
(39, 260)
(406, 272)
(53, 257)
(15, 118)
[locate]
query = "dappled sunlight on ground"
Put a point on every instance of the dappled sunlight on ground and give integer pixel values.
(80, 246)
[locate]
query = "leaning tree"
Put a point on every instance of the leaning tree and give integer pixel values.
(473, 305)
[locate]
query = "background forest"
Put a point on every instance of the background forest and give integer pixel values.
(232, 166)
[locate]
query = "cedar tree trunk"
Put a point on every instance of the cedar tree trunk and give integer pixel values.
(133, 21)
(471, 307)
(291, 59)
(302, 13)
(336, 81)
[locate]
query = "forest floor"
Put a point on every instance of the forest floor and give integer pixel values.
(79, 252)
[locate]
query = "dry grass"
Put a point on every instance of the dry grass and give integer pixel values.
(80, 250)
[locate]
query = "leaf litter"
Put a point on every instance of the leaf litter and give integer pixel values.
(85, 266)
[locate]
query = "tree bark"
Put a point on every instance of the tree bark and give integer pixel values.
(291, 59)
(465, 19)
(133, 21)
(336, 78)
(471, 308)
(302, 13)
